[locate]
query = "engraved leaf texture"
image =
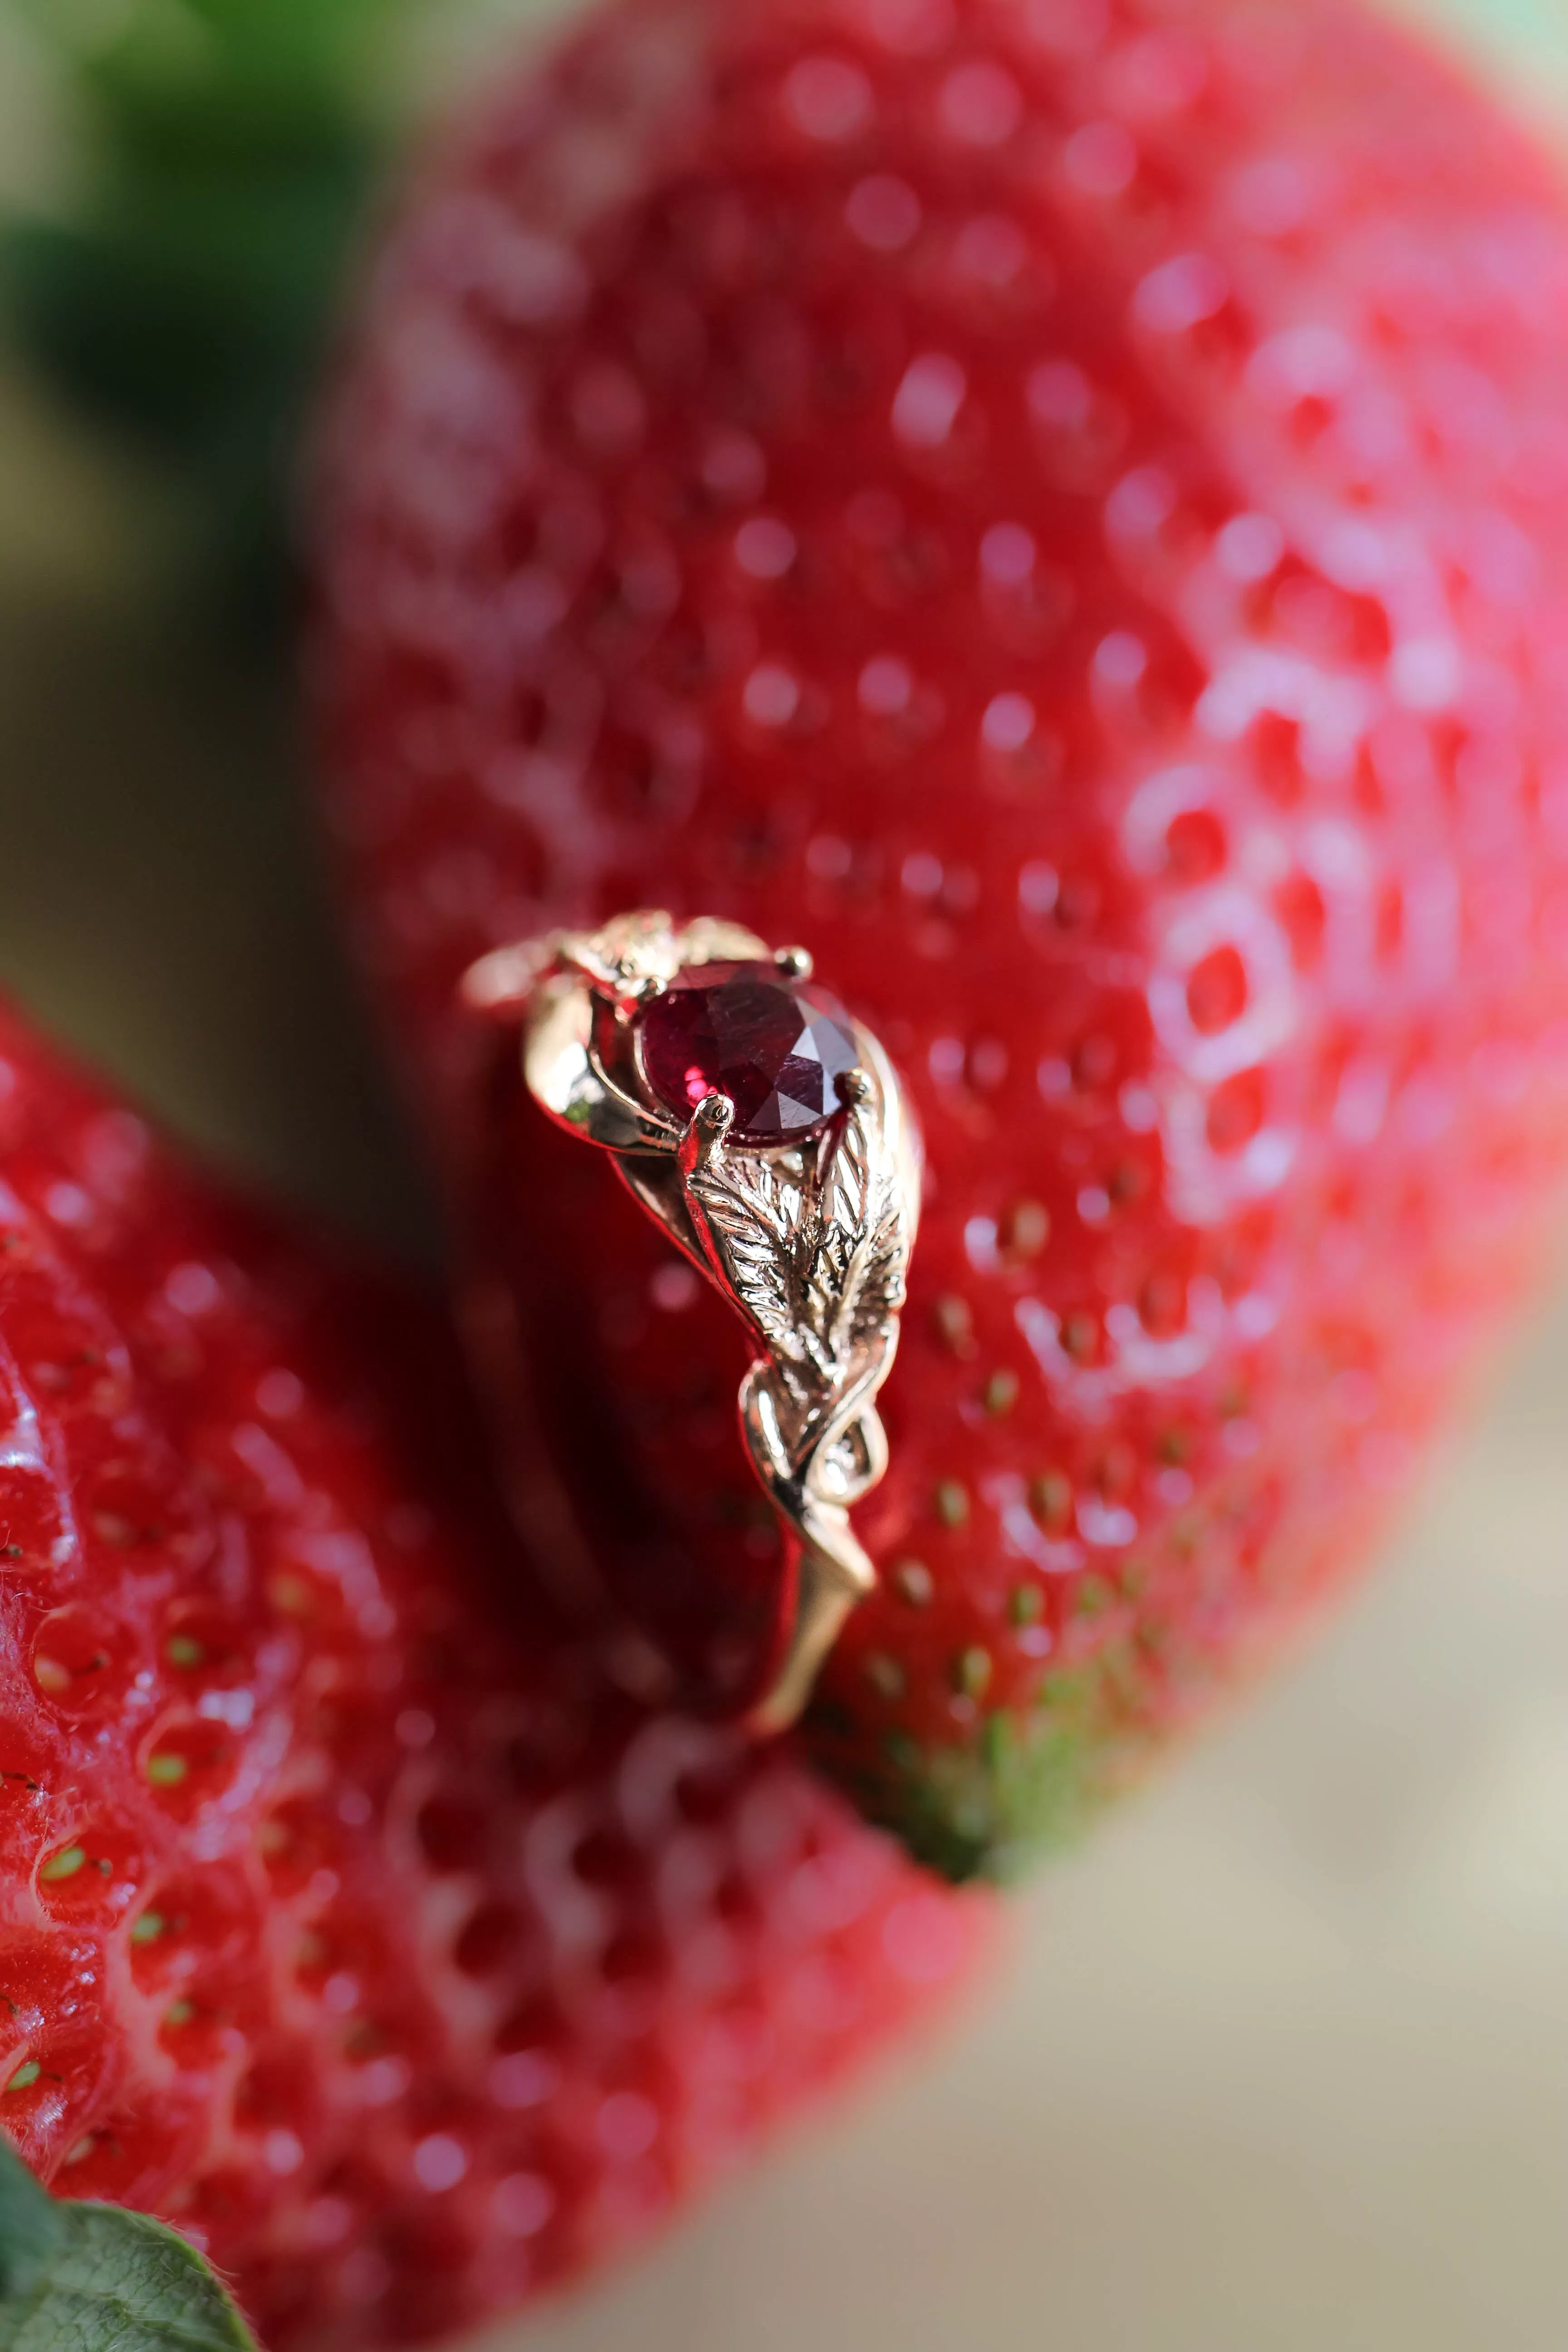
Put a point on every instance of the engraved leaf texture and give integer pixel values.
(857, 1273)
(819, 1273)
(755, 1218)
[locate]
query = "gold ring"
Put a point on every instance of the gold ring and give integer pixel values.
(768, 1135)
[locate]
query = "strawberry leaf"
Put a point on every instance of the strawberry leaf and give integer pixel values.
(29, 2230)
(91, 2278)
(180, 293)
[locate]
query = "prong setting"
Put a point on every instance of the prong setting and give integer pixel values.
(635, 996)
(704, 1138)
(795, 963)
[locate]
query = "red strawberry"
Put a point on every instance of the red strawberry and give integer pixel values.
(1062, 506)
(345, 1917)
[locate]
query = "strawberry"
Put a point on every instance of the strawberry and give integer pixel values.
(347, 1918)
(1060, 506)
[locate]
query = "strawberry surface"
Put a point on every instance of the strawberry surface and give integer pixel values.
(347, 1918)
(1061, 506)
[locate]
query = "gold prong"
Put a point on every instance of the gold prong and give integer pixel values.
(853, 1087)
(704, 1138)
(636, 995)
(795, 963)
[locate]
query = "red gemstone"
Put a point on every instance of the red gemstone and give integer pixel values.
(776, 1047)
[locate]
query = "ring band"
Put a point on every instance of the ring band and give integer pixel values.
(768, 1134)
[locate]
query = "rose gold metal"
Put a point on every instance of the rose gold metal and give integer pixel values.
(809, 1240)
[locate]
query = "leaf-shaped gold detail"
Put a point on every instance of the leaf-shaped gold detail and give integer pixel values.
(755, 1218)
(858, 1272)
(817, 1268)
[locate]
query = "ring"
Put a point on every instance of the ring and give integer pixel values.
(768, 1134)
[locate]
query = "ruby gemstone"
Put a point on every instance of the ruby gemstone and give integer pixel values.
(776, 1047)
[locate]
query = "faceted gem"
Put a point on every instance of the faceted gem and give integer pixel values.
(776, 1047)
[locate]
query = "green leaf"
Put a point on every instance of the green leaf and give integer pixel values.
(30, 2229)
(180, 294)
(91, 2278)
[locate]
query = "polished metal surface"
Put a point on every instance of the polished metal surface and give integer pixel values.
(808, 1240)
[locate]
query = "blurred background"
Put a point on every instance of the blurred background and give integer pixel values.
(1282, 2061)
